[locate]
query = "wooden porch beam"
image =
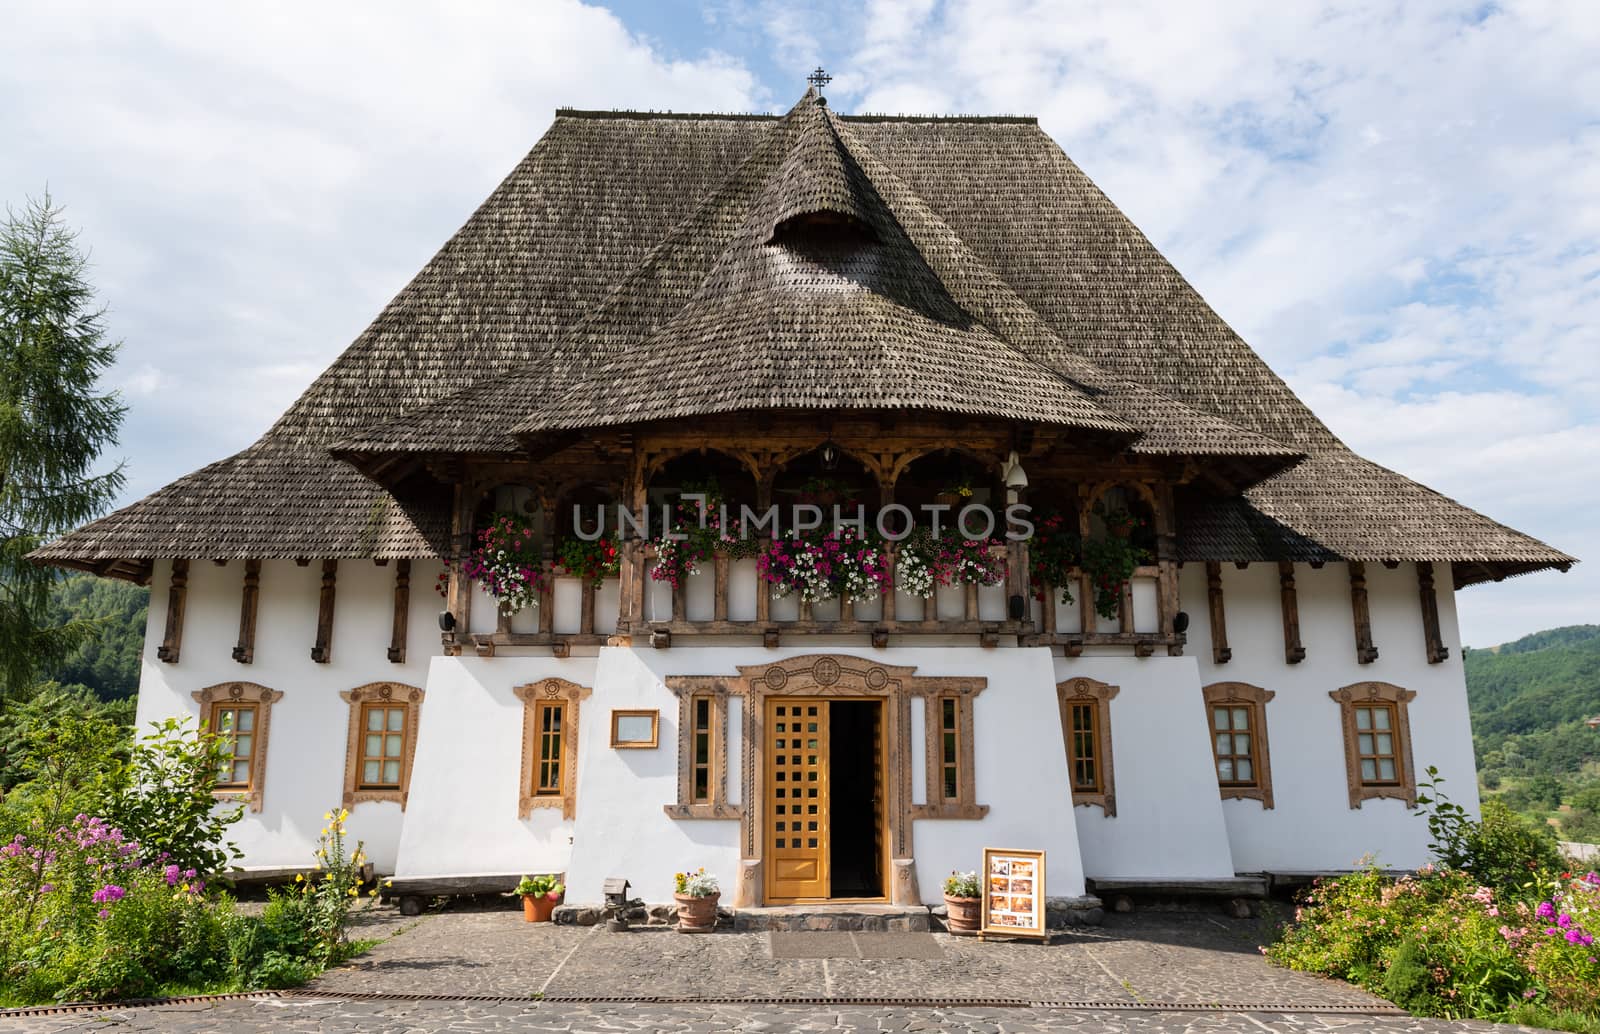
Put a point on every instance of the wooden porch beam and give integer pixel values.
(1366, 653)
(402, 611)
(1293, 651)
(177, 595)
(323, 649)
(245, 651)
(1433, 642)
(1220, 652)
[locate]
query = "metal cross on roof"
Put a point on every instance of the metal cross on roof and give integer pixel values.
(819, 78)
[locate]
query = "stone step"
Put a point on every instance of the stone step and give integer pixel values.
(886, 918)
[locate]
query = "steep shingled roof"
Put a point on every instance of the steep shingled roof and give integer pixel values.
(625, 237)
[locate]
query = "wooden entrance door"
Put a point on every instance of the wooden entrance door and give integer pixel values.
(797, 798)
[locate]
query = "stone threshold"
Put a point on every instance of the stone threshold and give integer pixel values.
(1061, 913)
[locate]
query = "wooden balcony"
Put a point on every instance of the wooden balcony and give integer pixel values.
(729, 598)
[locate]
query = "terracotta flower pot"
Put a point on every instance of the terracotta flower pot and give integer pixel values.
(697, 915)
(950, 499)
(537, 908)
(962, 914)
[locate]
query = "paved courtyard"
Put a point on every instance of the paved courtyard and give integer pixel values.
(488, 971)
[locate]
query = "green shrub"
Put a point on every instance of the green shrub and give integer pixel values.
(165, 799)
(1500, 849)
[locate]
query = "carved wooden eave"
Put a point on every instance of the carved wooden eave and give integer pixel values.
(250, 599)
(177, 596)
(1293, 650)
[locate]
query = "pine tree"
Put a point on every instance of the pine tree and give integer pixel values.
(54, 422)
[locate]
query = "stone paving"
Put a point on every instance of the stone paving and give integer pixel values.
(1114, 978)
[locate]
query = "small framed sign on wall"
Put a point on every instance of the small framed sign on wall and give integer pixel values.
(634, 730)
(1013, 893)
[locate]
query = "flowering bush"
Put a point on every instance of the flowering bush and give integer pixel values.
(1054, 554)
(325, 900)
(1109, 560)
(924, 562)
(697, 884)
(962, 885)
(507, 563)
(592, 560)
(825, 566)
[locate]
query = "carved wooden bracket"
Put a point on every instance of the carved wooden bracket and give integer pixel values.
(1293, 651)
(177, 595)
(1432, 639)
(324, 645)
(245, 652)
(402, 611)
(1366, 653)
(1220, 653)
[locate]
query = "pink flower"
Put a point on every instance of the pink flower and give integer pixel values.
(108, 894)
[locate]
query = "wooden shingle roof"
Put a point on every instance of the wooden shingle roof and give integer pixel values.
(631, 269)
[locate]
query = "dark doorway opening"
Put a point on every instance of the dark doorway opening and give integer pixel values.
(855, 804)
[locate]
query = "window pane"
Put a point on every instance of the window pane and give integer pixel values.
(1219, 718)
(247, 719)
(1241, 718)
(1380, 717)
(241, 771)
(950, 793)
(1224, 744)
(397, 717)
(702, 749)
(1386, 769)
(374, 719)
(1225, 770)
(391, 772)
(241, 746)
(374, 745)
(702, 784)
(949, 748)
(1241, 743)
(1385, 743)
(369, 772)
(1244, 770)
(224, 720)
(1369, 771)
(1364, 743)
(1363, 718)
(391, 746)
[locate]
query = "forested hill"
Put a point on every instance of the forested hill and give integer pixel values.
(1529, 700)
(108, 665)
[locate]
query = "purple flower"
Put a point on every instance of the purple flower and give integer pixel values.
(104, 913)
(1545, 910)
(171, 872)
(1565, 922)
(45, 888)
(108, 894)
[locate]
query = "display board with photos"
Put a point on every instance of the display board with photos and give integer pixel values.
(1013, 893)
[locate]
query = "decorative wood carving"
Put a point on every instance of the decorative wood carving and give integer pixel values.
(1366, 653)
(177, 595)
(389, 693)
(402, 611)
(1221, 693)
(965, 805)
(1220, 653)
(1432, 640)
(531, 695)
(826, 675)
(323, 648)
(1101, 693)
(1293, 651)
(717, 807)
(245, 652)
(263, 698)
(1405, 787)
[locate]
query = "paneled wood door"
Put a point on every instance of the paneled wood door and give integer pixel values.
(797, 798)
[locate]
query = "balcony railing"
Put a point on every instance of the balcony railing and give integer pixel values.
(729, 597)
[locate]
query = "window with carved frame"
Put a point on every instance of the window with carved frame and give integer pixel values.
(703, 725)
(951, 786)
(1377, 742)
(382, 742)
(1085, 706)
(550, 712)
(241, 714)
(1237, 727)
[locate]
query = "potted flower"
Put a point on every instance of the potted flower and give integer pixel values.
(540, 896)
(697, 894)
(957, 493)
(961, 901)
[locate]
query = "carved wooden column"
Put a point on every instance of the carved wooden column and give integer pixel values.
(1433, 641)
(402, 611)
(1366, 653)
(1293, 651)
(177, 595)
(1090, 621)
(324, 645)
(459, 594)
(1168, 599)
(1220, 653)
(245, 652)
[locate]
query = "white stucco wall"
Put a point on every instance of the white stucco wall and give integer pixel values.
(310, 725)
(1169, 815)
(1312, 826)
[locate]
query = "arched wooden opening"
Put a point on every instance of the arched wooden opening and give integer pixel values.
(826, 477)
(954, 478)
(717, 475)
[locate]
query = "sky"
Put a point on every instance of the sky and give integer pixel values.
(1397, 204)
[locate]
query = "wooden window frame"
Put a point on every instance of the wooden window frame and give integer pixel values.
(715, 805)
(964, 805)
(543, 730)
(388, 694)
(1363, 694)
(238, 694)
(1235, 694)
(1099, 694)
(235, 757)
(655, 728)
(549, 691)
